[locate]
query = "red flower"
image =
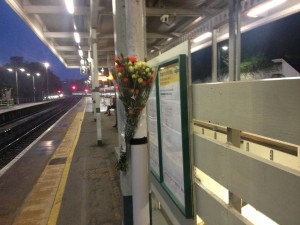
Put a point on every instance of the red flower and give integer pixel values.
(132, 59)
(117, 59)
(125, 79)
(120, 69)
(151, 78)
(137, 91)
(144, 83)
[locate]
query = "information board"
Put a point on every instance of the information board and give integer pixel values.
(174, 132)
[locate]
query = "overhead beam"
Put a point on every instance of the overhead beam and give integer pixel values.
(174, 12)
(94, 13)
(71, 48)
(64, 35)
(54, 9)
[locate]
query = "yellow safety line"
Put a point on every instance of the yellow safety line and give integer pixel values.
(61, 189)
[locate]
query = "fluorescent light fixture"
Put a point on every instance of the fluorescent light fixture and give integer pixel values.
(77, 37)
(22, 69)
(202, 37)
(38, 74)
(80, 52)
(28, 74)
(169, 39)
(70, 6)
(10, 69)
(254, 12)
(197, 20)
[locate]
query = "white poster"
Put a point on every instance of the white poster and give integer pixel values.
(152, 132)
(171, 136)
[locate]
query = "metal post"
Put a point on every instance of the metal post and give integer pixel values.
(215, 57)
(234, 40)
(17, 86)
(33, 88)
(135, 40)
(96, 90)
(47, 83)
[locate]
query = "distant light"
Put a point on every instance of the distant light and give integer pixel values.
(80, 52)
(22, 69)
(38, 74)
(224, 47)
(46, 65)
(73, 87)
(70, 6)
(10, 69)
(28, 74)
(86, 90)
(202, 37)
(77, 37)
(254, 12)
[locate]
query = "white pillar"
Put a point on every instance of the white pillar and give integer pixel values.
(135, 40)
(96, 89)
(93, 86)
(120, 47)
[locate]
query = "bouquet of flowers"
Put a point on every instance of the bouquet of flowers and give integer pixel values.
(134, 81)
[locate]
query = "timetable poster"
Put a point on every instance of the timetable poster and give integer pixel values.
(171, 130)
(153, 133)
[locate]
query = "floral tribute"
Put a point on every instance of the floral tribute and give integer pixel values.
(134, 81)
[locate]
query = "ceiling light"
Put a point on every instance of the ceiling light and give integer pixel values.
(254, 12)
(80, 52)
(202, 37)
(70, 6)
(77, 37)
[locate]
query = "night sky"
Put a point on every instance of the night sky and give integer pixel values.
(279, 39)
(17, 39)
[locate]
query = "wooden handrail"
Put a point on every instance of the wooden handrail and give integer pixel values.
(276, 145)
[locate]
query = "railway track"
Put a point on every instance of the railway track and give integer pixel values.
(16, 134)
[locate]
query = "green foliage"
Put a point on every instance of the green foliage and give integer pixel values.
(250, 65)
(121, 164)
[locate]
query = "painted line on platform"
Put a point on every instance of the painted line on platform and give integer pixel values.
(61, 188)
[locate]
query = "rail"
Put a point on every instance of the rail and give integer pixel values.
(276, 145)
(6, 103)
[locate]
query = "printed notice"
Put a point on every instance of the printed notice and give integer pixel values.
(171, 136)
(152, 132)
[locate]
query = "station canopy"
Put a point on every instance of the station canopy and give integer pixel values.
(168, 22)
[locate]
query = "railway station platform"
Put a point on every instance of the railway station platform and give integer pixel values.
(64, 177)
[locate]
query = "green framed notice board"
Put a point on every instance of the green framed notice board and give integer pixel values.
(172, 167)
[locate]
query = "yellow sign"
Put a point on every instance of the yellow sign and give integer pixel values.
(169, 75)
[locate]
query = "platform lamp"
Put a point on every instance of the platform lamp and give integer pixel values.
(33, 84)
(46, 66)
(17, 85)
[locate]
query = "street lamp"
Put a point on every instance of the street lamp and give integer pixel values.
(37, 74)
(17, 85)
(47, 65)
